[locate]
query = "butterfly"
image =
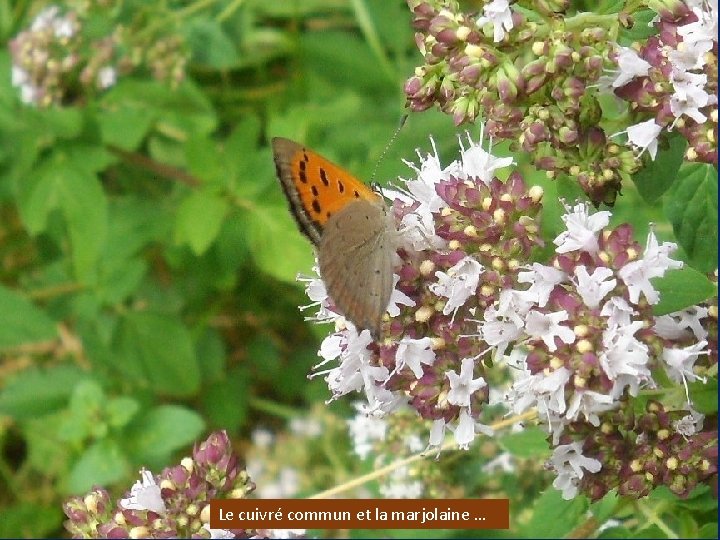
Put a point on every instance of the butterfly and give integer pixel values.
(350, 226)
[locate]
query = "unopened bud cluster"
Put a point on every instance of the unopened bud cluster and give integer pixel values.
(60, 59)
(173, 504)
(541, 82)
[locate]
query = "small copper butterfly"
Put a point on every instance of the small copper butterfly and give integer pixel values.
(350, 227)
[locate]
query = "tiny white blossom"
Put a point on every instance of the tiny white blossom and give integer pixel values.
(589, 404)
(364, 430)
(398, 298)
(568, 462)
(477, 163)
(676, 325)
(593, 287)
(542, 279)
(413, 353)
(582, 229)
(679, 363)
(400, 485)
(690, 424)
(220, 534)
(624, 359)
(631, 66)
(655, 262)
(547, 327)
(618, 311)
(497, 12)
(644, 136)
(463, 386)
(145, 495)
(458, 284)
(465, 430)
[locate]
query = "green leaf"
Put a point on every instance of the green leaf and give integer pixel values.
(102, 463)
(226, 401)
(530, 442)
(30, 520)
(641, 30)
(275, 243)
(605, 508)
(709, 530)
(156, 434)
(680, 289)
(22, 321)
(693, 212)
(199, 218)
(658, 175)
(209, 43)
(123, 120)
(158, 348)
(704, 396)
(35, 392)
(58, 182)
(554, 517)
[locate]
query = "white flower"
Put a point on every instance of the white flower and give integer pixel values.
(547, 327)
(499, 14)
(437, 433)
(477, 163)
(465, 430)
(400, 485)
(593, 288)
(463, 386)
(499, 331)
(631, 66)
(689, 95)
(413, 353)
(106, 77)
(546, 392)
(582, 229)
(655, 262)
(624, 359)
(458, 284)
(145, 495)
(568, 462)
(689, 425)
(618, 311)
(543, 280)
(644, 136)
(676, 325)
(364, 430)
(589, 404)
(398, 298)
(680, 362)
(429, 174)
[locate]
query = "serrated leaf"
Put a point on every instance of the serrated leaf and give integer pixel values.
(658, 175)
(199, 218)
(101, 464)
(691, 207)
(156, 434)
(159, 349)
(680, 289)
(36, 392)
(22, 321)
(530, 442)
(275, 243)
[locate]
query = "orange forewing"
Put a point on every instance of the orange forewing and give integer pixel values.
(315, 187)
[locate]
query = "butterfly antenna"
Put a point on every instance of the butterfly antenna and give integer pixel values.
(403, 119)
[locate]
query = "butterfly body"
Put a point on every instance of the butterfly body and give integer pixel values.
(350, 227)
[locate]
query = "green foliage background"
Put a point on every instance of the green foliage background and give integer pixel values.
(148, 260)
